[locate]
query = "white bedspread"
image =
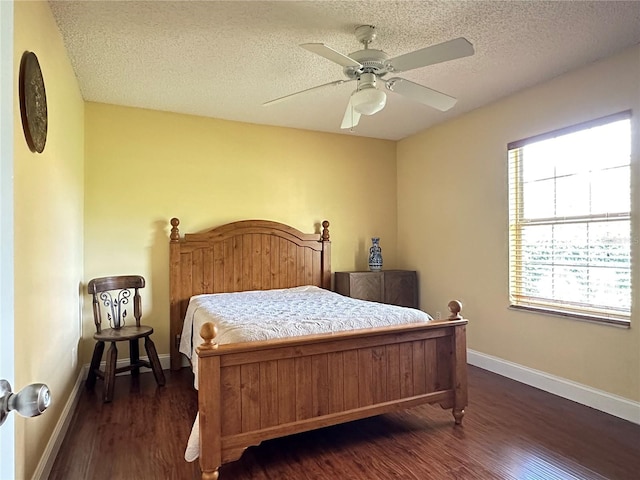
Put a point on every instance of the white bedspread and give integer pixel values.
(272, 314)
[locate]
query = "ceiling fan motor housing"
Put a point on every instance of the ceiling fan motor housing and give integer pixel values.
(372, 61)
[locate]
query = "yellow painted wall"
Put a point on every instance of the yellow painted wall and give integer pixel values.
(48, 216)
(144, 167)
(453, 217)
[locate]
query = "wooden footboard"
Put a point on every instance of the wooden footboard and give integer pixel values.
(261, 390)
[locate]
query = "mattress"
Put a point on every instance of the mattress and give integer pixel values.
(274, 314)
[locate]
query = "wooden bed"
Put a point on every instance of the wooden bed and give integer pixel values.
(251, 392)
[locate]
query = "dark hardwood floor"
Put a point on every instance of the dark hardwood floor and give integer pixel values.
(510, 431)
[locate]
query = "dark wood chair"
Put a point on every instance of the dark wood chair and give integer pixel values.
(111, 295)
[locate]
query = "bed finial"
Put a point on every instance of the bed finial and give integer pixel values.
(454, 307)
(208, 333)
(175, 233)
(325, 231)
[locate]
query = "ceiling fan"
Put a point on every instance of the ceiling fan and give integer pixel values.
(368, 67)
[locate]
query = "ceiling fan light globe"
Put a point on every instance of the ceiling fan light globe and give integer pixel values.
(368, 101)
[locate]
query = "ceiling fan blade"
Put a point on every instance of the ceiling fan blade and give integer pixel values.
(351, 117)
(280, 99)
(331, 54)
(421, 94)
(442, 52)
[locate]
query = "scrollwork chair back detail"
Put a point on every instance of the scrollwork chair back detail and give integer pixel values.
(114, 307)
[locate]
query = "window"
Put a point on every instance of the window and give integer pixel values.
(570, 221)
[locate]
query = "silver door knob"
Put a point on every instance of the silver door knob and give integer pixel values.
(31, 401)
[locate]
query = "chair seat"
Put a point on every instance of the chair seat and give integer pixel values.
(122, 334)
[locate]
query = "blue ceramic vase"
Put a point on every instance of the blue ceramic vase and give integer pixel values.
(375, 255)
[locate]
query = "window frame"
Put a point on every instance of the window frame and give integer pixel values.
(516, 225)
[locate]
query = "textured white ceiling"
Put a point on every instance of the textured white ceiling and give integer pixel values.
(224, 59)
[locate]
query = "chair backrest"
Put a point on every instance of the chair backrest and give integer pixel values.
(112, 294)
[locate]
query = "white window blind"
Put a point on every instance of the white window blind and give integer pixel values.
(570, 221)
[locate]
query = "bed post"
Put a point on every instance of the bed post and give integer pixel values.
(460, 372)
(326, 256)
(209, 403)
(175, 295)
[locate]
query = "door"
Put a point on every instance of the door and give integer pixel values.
(7, 449)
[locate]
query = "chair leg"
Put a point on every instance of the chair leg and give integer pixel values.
(134, 357)
(110, 372)
(98, 350)
(153, 359)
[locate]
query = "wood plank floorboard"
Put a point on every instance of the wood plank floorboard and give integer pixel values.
(510, 431)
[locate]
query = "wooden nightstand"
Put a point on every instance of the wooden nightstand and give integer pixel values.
(397, 287)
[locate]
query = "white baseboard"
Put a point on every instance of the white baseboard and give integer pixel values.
(600, 400)
(55, 442)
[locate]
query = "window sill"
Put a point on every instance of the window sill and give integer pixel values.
(615, 322)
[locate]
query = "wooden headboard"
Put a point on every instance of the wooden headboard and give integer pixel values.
(238, 256)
